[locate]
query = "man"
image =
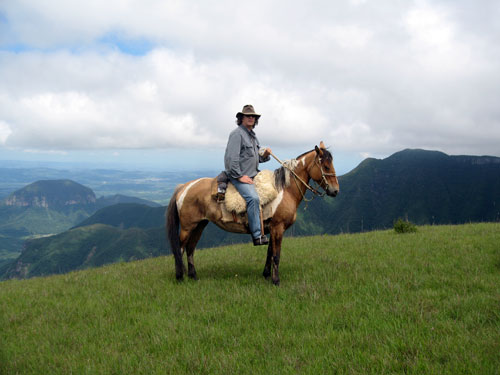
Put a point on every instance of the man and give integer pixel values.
(241, 162)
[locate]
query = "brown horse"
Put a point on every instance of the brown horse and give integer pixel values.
(192, 207)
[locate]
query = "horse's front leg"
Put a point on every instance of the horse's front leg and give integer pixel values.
(276, 237)
(267, 267)
(276, 262)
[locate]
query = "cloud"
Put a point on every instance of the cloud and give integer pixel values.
(367, 78)
(171, 101)
(5, 132)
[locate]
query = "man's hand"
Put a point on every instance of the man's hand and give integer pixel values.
(245, 179)
(265, 152)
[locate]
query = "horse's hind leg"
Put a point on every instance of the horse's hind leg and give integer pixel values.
(192, 240)
(273, 256)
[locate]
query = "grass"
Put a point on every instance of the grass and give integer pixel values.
(371, 303)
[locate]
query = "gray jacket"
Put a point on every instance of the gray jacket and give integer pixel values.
(242, 153)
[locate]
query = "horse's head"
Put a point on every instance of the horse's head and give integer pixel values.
(323, 171)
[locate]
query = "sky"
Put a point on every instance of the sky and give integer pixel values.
(157, 84)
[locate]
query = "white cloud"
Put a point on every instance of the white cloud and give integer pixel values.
(159, 100)
(5, 131)
(367, 78)
(430, 26)
(45, 152)
(350, 36)
(435, 42)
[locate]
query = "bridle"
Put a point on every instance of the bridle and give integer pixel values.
(317, 161)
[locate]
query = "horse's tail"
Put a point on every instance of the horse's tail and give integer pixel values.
(172, 229)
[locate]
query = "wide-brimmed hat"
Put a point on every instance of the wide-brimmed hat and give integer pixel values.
(248, 111)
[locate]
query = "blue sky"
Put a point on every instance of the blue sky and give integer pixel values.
(157, 84)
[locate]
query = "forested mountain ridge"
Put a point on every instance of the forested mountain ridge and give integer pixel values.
(426, 187)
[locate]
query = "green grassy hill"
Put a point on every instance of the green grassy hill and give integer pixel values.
(371, 303)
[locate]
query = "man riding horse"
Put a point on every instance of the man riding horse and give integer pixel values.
(241, 163)
(192, 205)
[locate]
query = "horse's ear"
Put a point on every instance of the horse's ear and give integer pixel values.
(318, 150)
(322, 145)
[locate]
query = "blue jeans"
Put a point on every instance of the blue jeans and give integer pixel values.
(250, 196)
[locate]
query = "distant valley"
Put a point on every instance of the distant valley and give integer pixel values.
(149, 185)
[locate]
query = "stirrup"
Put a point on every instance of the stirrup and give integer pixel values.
(262, 240)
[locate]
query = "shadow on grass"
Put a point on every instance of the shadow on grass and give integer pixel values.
(238, 271)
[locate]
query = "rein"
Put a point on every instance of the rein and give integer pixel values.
(309, 187)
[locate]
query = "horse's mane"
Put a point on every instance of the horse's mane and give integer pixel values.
(326, 154)
(282, 174)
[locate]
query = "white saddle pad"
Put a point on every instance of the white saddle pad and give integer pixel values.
(264, 184)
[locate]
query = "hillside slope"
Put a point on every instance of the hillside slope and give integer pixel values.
(127, 215)
(84, 247)
(371, 303)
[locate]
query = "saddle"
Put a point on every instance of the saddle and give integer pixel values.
(233, 204)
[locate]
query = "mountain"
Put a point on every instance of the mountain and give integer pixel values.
(121, 232)
(47, 207)
(139, 216)
(54, 194)
(119, 198)
(59, 194)
(84, 247)
(426, 187)
(127, 215)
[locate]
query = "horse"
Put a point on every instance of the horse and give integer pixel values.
(192, 206)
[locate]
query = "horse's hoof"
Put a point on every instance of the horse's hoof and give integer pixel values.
(276, 282)
(266, 274)
(193, 277)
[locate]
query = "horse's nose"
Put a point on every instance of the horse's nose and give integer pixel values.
(332, 192)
